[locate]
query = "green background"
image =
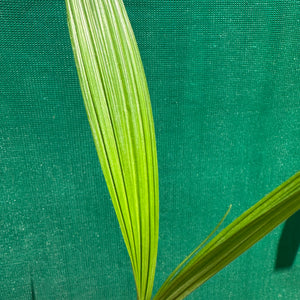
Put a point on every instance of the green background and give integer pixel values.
(224, 82)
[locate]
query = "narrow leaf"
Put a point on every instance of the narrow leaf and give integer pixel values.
(234, 240)
(117, 102)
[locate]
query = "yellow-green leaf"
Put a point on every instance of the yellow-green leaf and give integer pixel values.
(117, 102)
(234, 240)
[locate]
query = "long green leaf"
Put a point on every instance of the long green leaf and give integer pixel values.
(234, 240)
(117, 102)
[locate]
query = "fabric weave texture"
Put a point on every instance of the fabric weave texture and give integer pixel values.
(224, 83)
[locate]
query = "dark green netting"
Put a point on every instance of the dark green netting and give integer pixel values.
(224, 81)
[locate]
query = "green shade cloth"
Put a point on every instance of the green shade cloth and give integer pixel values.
(224, 82)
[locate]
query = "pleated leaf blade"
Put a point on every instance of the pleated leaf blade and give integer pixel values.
(118, 106)
(234, 240)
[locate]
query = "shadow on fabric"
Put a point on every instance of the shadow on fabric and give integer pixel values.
(289, 243)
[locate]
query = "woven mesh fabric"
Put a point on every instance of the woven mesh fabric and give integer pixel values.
(224, 82)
